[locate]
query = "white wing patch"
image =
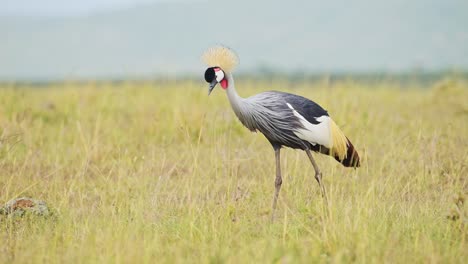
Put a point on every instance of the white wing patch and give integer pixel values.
(315, 134)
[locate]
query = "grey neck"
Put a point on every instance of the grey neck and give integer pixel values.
(235, 100)
(241, 106)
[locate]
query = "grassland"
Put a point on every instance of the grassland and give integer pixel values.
(160, 172)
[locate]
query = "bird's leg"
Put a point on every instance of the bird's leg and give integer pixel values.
(318, 176)
(278, 181)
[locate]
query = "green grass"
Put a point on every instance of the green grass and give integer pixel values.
(162, 172)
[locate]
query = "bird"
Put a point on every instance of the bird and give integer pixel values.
(285, 119)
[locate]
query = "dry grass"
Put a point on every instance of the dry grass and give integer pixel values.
(161, 172)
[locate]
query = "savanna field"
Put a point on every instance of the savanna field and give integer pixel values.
(159, 172)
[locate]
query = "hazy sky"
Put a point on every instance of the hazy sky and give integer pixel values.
(67, 7)
(98, 38)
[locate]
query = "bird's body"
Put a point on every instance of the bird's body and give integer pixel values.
(293, 121)
(285, 119)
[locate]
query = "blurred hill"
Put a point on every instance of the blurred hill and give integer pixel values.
(167, 39)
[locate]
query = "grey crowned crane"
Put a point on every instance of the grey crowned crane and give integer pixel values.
(285, 119)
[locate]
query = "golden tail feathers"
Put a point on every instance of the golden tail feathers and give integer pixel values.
(341, 148)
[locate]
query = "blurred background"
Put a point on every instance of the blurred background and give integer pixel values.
(147, 39)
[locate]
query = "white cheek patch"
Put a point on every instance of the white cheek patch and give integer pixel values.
(219, 75)
(315, 134)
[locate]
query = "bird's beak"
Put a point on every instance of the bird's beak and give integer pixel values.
(212, 86)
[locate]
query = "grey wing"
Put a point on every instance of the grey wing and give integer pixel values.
(271, 115)
(296, 117)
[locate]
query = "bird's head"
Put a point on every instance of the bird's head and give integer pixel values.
(221, 61)
(215, 75)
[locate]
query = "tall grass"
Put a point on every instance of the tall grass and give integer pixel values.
(163, 173)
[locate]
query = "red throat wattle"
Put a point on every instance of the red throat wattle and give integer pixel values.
(224, 84)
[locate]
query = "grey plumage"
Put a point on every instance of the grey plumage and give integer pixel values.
(268, 113)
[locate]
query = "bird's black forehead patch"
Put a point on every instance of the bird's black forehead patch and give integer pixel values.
(210, 74)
